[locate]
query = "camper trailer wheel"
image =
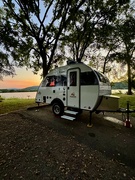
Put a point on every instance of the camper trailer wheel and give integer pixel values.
(58, 108)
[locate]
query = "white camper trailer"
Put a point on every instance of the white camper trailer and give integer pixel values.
(77, 86)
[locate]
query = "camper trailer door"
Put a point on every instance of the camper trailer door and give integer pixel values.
(73, 88)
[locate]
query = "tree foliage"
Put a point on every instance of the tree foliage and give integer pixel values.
(6, 67)
(35, 27)
(125, 32)
(93, 25)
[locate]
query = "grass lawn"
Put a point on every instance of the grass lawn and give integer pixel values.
(123, 102)
(125, 98)
(12, 104)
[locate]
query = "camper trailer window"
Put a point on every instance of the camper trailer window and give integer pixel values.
(51, 81)
(102, 78)
(43, 83)
(60, 80)
(64, 80)
(88, 78)
(73, 80)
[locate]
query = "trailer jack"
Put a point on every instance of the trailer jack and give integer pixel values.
(127, 122)
(90, 120)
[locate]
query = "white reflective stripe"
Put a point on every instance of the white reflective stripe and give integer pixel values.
(68, 117)
(71, 112)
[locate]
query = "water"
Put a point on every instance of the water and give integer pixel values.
(24, 95)
(121, 91)
(31, 95)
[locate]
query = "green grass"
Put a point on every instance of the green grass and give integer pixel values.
(14, 104)
(125, 98)
(123, 102)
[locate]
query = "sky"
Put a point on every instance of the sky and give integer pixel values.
(23, 78)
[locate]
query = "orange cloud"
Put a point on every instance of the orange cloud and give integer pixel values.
(17, 84)
(21, 80)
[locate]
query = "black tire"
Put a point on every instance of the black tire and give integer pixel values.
(58, 108)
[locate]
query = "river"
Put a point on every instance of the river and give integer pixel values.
(24, 95)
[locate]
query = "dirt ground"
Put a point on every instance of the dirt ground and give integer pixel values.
(35, 144)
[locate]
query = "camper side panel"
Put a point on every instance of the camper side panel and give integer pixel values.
(89, 97)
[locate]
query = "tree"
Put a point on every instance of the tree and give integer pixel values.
(125, 52)
(93, 22)
(37, 26)
(121, 41)
(6, 67)
(128, 37)
(107, 42)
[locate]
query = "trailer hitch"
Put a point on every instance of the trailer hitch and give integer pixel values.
(126, 111)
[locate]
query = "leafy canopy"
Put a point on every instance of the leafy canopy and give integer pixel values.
(34, 28)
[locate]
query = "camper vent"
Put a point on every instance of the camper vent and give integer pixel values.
(71, 62)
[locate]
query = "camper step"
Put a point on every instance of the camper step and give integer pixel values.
(68, 117)
(70, 112)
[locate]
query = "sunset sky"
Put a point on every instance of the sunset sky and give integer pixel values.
(24, 78)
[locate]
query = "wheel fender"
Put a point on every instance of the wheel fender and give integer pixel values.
(57, 100)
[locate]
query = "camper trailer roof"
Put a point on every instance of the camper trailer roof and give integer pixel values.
(63, 69)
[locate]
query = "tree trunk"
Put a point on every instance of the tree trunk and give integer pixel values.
(129, 79)
(104, 66)
(44, 60)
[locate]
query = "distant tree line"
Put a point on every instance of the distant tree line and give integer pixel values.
(40, 34)
(120, 85)
(18, 90)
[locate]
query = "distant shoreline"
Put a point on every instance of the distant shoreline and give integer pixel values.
(13, 91)
(27, 89)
